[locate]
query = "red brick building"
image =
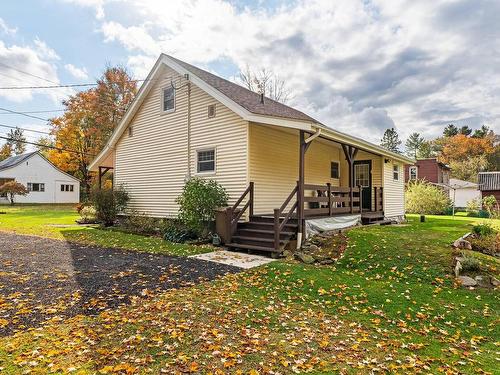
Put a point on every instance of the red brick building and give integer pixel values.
(430, 170)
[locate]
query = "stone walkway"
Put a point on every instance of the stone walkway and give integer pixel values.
(234, 259)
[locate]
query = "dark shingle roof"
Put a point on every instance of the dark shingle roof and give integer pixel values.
(246, 98)
(14, 160)
(489, 181)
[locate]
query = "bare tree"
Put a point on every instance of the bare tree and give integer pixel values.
(265, 82)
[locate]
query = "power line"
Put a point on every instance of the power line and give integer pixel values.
(24, 114)
(24, 129)
(27, 73)
(44, 111)
(65, 86)
(46, 146)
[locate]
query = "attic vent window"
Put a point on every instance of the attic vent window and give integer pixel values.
(211, 110)
(168, 104)
(130, 131)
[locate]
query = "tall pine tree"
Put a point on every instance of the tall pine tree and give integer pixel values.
(413, 144)
(391, 140)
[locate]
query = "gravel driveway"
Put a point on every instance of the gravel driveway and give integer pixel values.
(42, 278)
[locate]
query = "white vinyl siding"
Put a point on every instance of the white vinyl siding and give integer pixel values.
(394, 190)
(153, 164)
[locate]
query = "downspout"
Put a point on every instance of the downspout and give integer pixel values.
(188, 175)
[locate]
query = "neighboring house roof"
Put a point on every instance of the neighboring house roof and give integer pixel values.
(240, 100)
(489, 180)
(15, 160)
(442, 165)
(455, 183)
(246, 98)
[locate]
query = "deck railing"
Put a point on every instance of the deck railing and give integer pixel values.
(328, 200)
(279, 224)
(234, 213)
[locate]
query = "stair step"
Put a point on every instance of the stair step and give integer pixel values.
(256, 239)
(266, 233)
(269, 219)
(253, 247)
(264, 225)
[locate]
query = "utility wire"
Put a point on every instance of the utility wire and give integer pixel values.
(29, 74)
(44, 111)
(45, 146)
(61, 86)
(24, 129)
(24, 114)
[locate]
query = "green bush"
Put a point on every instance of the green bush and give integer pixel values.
(198, 202)
(483, 229)
(141, 224)
(487, 244)
(425, 199)
(470, 264)
(109, 203)
(176, 231)
(490, 204)
(474, 205)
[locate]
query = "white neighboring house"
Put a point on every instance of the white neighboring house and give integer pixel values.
(462, 192)
(45, 182)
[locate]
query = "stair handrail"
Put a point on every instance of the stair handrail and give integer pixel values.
(233, 218)
(278, 227)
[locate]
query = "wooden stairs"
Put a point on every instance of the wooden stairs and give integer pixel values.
(258, 233)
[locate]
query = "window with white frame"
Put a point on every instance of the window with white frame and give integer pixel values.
(206, 161)
(395, 172)
(168, 95)
(67, 187)
(413, 172)
(36, 187)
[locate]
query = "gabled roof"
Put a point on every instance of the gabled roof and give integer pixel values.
(241, 101)
(15, 160)
(489, 180)
(246, 98)
(461, 184)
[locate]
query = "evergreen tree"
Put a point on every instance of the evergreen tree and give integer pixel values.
(413, 144)
(450, 130)
(465, 130)
(391, 140)
(481, 133)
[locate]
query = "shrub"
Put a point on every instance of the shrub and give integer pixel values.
(487, 244)
(474, 205)
(109, 203)
(13, 188)
(424, 198)
(88, 215)
(470, 264)
(198, 202)
(490, 204)
(141, 224)
(80, 206)
(484, 229)
(176, 231)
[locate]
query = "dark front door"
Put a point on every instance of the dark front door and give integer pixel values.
(363, 178)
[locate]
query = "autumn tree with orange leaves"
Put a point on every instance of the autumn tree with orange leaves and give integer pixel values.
(88, 121)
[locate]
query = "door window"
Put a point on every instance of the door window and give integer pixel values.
(362, 175)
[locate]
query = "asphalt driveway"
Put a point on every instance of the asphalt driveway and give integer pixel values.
(42, 278)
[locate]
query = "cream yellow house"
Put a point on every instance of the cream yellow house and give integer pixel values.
(281, 168)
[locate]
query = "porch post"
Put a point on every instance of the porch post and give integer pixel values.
(100, 177)
(350, 154)
(302, 154)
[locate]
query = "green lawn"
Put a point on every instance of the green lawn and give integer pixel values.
(389, 305)
(58, 222)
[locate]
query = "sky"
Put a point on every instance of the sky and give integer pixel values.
(358, 66)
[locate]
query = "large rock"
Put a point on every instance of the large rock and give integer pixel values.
(467, 281)
(306, 258)
(462, 244)
(494, 281)
(310, 247)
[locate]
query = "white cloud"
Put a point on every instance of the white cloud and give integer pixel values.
(29, 66)
(97, 4)
(355, 65)
(78, 73)
(5, 29)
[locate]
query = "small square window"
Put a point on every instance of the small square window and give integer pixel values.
(168, 99)
(334, 169)
(62, 188)
(71, 188)
(211, 111)
(206, 161)
(395, 172)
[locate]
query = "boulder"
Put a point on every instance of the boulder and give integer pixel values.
(306, 258)
(310, 247)
(462, 244)
(467, 281)
(494, 281)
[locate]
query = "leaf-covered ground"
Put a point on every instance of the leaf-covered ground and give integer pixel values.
(58, 222)
(389, 305)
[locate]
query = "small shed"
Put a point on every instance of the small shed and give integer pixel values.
(462, 192)
(489, 184)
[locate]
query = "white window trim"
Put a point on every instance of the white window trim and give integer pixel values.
(206, 173)
(415, 168)
(163, 99)
(338, 163)
(39, 185)
(396, 171)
